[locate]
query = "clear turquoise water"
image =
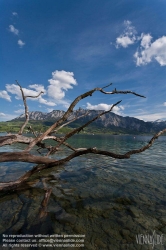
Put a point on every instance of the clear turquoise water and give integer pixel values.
(110, 201)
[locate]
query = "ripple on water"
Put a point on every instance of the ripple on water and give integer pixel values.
(110, 201)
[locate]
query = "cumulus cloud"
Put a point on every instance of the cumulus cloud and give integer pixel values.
(60, 82)
(151, 50)
(38, 87)
(146, 40)
(20, 43)
(46, 102)
(148, 50)
(49, 110)
(15, 90)
(104, 106)
(19, 111)
(4, 94)
(6, 117)
(14, 14)
(128, 37)
(151, 117)
(13, 30)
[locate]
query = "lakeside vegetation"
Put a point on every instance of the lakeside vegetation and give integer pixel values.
(41, 126)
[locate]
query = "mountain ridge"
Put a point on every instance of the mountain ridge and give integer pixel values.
(110, 120)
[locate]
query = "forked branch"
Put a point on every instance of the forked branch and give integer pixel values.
(26, 107)
(39, 141)
(70, 110)
(48, 162)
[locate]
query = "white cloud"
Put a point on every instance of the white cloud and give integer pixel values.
(4, 95)
(124, 41)
(15, 90)
(65, 103)
(151, 117)
(128, 37)
(6, 117)
(60, 82)
(19, 111)
(46, 102)
(146, 40)
(164, 103)
(21, 43)
(49, 110)
(104, 106)
(150, 51)
(38, 87)
(13, 29)
(14, 14)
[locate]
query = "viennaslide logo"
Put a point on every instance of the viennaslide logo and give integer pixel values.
(150, 239)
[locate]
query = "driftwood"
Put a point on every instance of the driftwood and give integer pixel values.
(43, 159)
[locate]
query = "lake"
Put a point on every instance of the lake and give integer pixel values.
(115, 204)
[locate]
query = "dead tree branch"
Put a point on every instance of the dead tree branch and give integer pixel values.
(67, 123)
(27, 157)
(69, 111)
(48, 162)
(26, 107)
(77, 130)
(45, 161)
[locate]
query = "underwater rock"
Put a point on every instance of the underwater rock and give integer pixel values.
(80, 228)
(66, 218)
(10, 209)
(134, 212)
(123, 200)
(100, 244)
(125, 234)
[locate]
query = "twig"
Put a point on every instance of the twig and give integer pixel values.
(70, 110)
(26, 107)
(77, 130)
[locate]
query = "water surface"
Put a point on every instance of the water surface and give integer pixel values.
(109, 200)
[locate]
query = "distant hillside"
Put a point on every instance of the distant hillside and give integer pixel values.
(109, 121)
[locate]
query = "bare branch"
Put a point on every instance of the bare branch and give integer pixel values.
(27, 157)
(136, 151)
(70, 110)
(26, 107)
(47, 162)
(26, 110)
(121, 92)
(32, 130)
(43, 209)
(36, 96)
(58, 140)
(107, 86)
(74, 119)
(77, 130)
(10, 139)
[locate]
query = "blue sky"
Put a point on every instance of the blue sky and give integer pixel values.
(67, 47)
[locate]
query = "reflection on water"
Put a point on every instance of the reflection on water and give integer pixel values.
(110, 201)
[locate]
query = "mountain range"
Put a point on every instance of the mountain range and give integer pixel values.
(109, 121)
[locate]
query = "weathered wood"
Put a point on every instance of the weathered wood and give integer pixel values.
(26, 107)
(45, 161)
